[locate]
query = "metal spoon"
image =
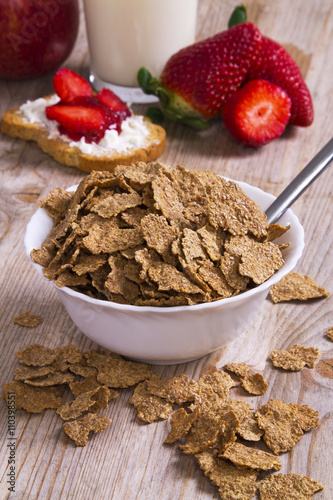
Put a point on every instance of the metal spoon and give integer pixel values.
(301, 182)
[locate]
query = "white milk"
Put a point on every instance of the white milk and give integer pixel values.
(124, 35)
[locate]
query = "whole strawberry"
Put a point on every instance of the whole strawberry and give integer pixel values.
(197, 80)
(276, 65)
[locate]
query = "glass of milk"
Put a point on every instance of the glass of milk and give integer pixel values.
(124, 35)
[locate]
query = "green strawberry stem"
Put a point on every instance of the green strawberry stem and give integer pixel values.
(155, 114)
(238, 16)
(169, 107)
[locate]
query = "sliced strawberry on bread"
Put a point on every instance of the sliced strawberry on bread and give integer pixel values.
(69, 85)
(79, 120)
(113, 103)
(257, 113)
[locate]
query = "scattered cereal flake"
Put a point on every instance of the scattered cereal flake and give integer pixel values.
(307, 417)
(248, 426)
(78, 430)
(329, 333)
(296, 286)
(243, 456)
(239, 369)
(282, 430)
(203, 434)
(89, 384)
(68, 354)
(82, 369)
(179, 389)
(254, 384)
(288, 487)
(218, 381)
(150, 407)
(233, 483)
(27, 372)
(32, 399)
(229, 429)
(181, 422)
(309, 354)
(56, 378)
(119, 373)
(93, 400)
(26, 318)
(98, 359)
(36, 355)
(213, 391)
(295, 358)
(206, 398)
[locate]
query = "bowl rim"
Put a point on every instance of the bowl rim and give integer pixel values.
(239, 298)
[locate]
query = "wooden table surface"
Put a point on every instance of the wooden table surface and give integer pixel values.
(129, 460)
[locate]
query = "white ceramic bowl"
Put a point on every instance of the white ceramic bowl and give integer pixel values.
(166, 335)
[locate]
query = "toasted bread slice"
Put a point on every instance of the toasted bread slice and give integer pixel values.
(14, 125)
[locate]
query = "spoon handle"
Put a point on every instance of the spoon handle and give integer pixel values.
(301, 182)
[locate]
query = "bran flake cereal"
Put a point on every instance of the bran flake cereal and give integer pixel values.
(149, 234)
(329, 333)
(243, 456)
(78, 430)
(150, 407)
(283, 424)
(295, 358)
(26, 318)
(296, 286)
(32, 399)
(288, 486)
(233, 483)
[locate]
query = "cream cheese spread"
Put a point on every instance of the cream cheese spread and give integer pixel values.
(133, 135)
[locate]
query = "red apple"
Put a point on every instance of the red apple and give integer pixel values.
(36, 36)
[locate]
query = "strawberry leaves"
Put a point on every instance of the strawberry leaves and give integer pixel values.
(169, 108)
(238, 16)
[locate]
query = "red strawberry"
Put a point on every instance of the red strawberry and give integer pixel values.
(83, 120)
(197, 80)
(276, 65)
(257, 113)
(114, 103)
(69, 85)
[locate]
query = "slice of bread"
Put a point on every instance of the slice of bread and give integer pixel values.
(14, 125)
